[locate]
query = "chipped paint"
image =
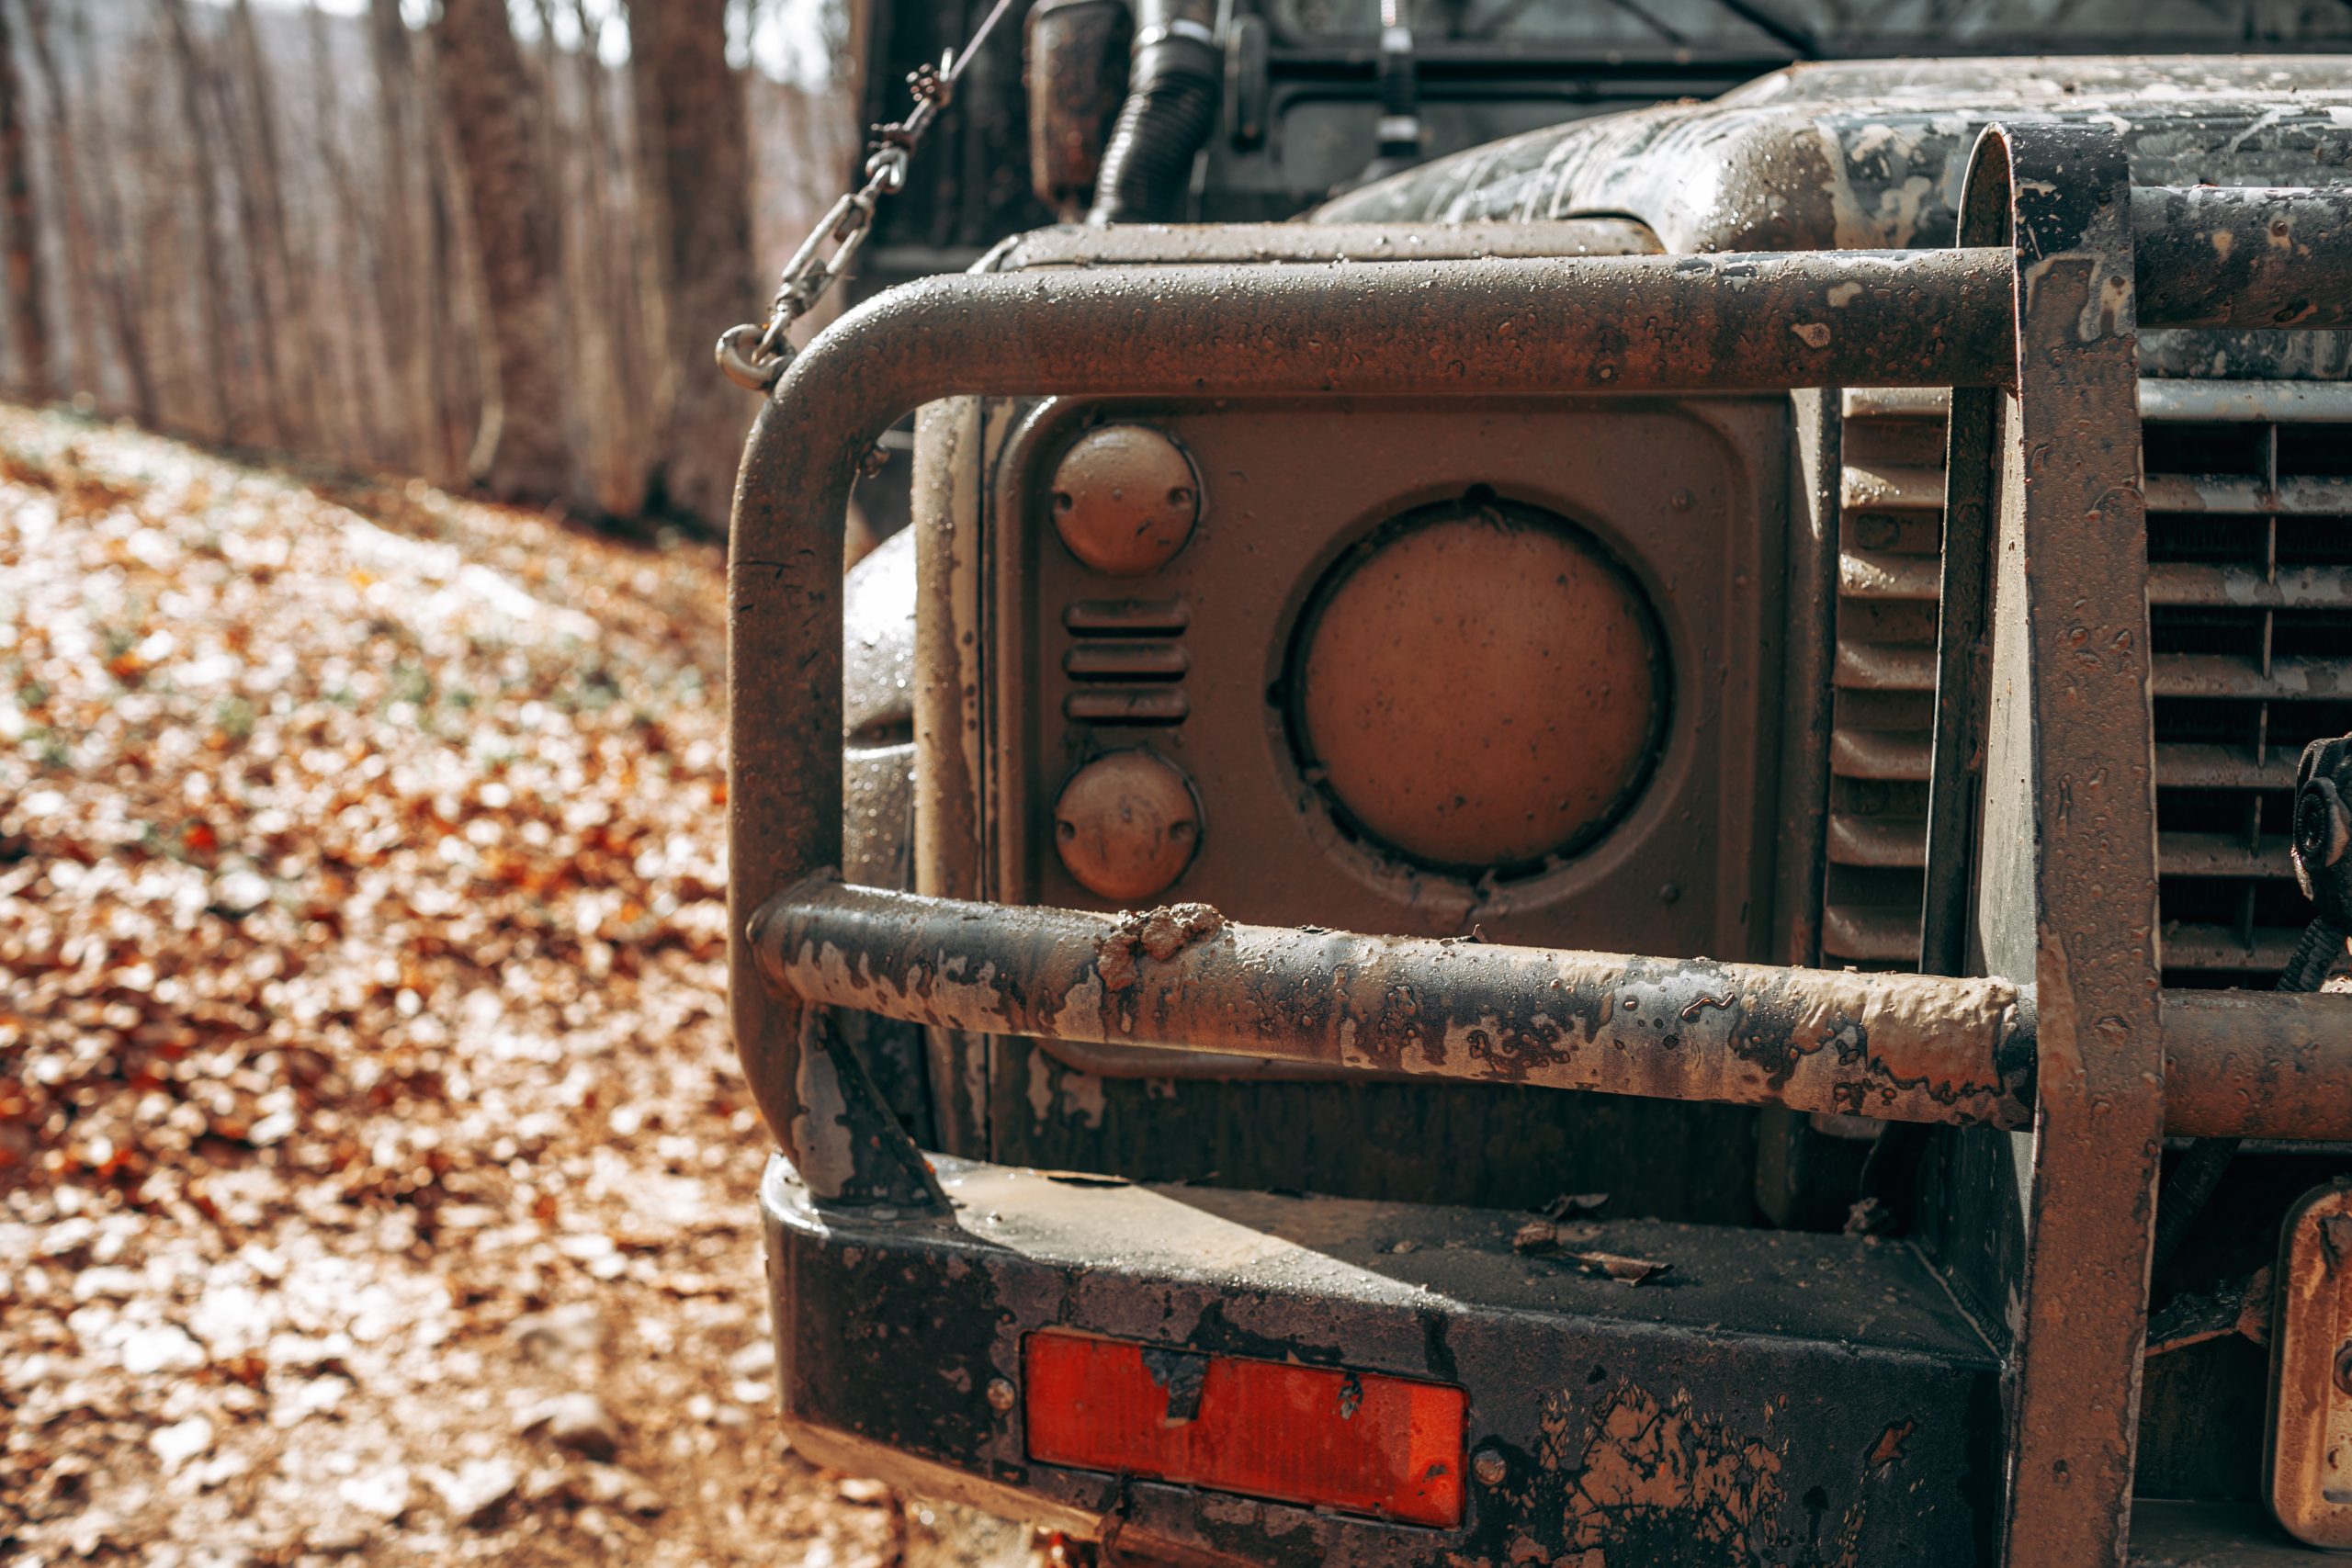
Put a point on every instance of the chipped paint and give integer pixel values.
(1659, 1479)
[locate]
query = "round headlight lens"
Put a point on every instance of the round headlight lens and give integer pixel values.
(1481, 686)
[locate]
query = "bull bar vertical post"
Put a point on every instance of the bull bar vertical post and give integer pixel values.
(2066, 877)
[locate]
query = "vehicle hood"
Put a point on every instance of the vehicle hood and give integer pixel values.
(1870, 155)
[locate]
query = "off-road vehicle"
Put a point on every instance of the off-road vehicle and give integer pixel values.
(1876, 547)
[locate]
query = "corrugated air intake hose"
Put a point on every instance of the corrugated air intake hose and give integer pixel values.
(1170, 107)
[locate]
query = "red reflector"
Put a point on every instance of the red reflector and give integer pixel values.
(1356, 1441)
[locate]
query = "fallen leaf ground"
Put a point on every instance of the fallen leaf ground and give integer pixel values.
(376, 1180)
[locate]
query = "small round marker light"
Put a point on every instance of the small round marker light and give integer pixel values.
(1125, 499)
(1127, 825)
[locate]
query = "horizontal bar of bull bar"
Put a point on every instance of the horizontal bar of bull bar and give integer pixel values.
(2257, 1064)
(1906, 1047)
(2243, 257)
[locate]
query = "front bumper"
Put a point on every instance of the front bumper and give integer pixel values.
(1770, 1397)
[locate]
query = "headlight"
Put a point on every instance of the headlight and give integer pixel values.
(1480, 685)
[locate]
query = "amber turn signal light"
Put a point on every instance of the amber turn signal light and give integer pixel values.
(1127, 825)
(1358, 1442)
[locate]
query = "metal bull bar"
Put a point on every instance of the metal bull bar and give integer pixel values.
(1473, 328)
(2032, 320)
(1632, 324)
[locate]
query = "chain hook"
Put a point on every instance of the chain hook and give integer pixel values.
(748, 363)
(755, 355)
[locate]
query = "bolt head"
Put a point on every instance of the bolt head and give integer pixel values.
(1490, 1468)
(1001, 1395)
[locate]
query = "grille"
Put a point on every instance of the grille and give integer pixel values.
(2249, 492)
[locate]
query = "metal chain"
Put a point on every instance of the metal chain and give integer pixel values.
(755, 355)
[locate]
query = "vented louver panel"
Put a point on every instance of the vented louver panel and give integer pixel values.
(2250, 610)
(1126, 662)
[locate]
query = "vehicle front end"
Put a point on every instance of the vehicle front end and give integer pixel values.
(1788, 625)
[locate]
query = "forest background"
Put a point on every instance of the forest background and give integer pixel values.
(489, 245)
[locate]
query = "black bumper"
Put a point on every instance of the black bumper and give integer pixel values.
(1772, 1398)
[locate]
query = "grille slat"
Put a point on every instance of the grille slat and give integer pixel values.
(1879, 577)
(1901, 756)
(1911, 667)
(1890, 937)
(1885, 667)
(1863, 840)
(1891, 487)
(1867, 935)
(2198, 494)
(1875, 574)
(2250, 611)
(1106, 660)
(2221, 675)
(1900, 844)
(1894, 755)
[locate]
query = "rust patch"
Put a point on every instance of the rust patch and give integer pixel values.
(2335, 1239)
(1183, 1375)
(1889, 1447)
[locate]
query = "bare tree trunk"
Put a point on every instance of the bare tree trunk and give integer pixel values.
(80, 262)
(553, 155)
(262, 321)
(692, 113)
(348, 389)
(599, 277)
(290, 325)
(465, 355)
(638, 172)
(27, 325)
(401, 257)
(610, 426)
(480, 69)
(228, 419)
(117, 284)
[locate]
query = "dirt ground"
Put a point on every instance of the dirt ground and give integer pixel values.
(376, 1180)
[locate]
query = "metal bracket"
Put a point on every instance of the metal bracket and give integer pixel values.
(2308, 1470)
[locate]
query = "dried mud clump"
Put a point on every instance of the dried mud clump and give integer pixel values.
(1161, 933)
